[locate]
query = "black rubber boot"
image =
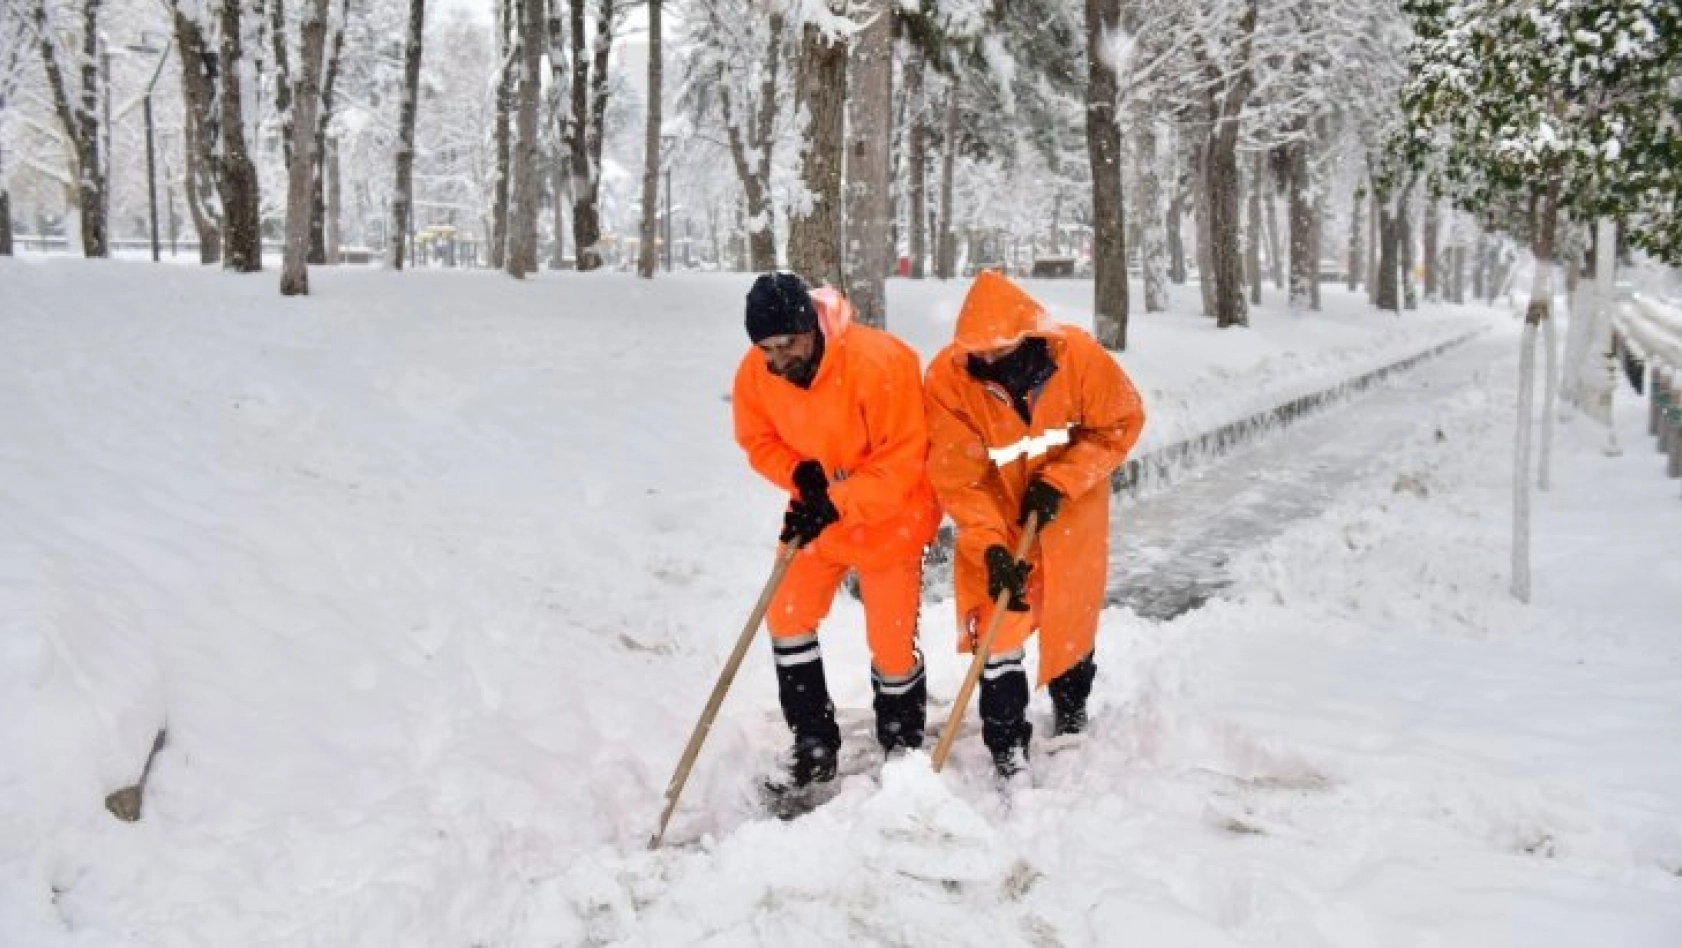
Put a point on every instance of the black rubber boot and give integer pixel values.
(1004, 713)
(901, 709)
(804, 693)
(1068, 696)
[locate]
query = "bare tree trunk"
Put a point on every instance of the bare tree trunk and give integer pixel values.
(589, 107)
(294, 270)
(1252, 229)
(814, 239)
(1405, 246)
(1148, 211)
(5, 214)
(868, 189)
(282, 75)
(318, 199)
(1230, 85)
(1305, 257)
(557, 154)
(651, 148)
(1275, 247)
(917, 159)
(1222, 170)
(497, 253)
(1375, 237)
(946, 242)
(558, 183)
(331, 238)
(1176, 240)
(241, 193)
(1480, 266)
(755, 177)
(1386, 292)
(1317, 236)
(1103, 150)
(198, 94)
(1457, 274)
(403, 191)
(80, 122)
(522, 211)
(1200, 220)
(1432, 291)
(1357, 256)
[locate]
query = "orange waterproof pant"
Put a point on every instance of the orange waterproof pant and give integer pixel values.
(892, 596)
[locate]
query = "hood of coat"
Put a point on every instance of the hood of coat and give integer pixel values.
(835, 314)
(997, 313)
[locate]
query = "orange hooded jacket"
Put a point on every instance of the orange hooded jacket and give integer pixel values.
(1085, 419)
(862, 419)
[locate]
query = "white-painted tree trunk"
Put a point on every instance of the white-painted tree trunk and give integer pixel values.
(1521, 465)
(1598, 388)
(1537, 312)
(1550, 394)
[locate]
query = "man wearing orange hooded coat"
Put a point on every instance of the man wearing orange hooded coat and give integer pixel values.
(1028, 417)
(832, 412)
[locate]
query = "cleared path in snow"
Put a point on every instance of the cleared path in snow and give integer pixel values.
(1171, 548)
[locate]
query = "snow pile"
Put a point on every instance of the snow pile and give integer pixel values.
(429, 575)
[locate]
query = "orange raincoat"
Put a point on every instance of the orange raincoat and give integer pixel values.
(1085, 419)
(862, 419)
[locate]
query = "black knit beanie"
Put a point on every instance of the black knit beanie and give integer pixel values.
(779, 305)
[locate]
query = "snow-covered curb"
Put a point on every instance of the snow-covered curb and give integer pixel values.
(1159, 467)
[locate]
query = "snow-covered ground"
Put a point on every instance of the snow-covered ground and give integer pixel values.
(429, 575)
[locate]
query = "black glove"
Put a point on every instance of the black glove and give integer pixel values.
(803, 521)
(809, 479)
(1005, 571)
(1042, 499)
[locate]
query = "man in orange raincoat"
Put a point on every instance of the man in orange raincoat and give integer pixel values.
(833, 413)
(1028, 417)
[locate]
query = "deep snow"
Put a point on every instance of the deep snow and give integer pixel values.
(430, 573)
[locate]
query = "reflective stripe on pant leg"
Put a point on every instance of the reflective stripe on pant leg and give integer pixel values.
(1004, 704)
(892, 597)
(901, 705)
(896, 684)
(803, 691)
(796, 649)
(1004, 663)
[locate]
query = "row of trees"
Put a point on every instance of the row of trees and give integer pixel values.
(853, 131)
(1544, 118)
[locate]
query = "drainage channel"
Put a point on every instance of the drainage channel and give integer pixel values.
(1143, 574)
(1160, 468)
(1176, 537)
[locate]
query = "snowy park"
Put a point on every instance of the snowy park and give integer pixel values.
(429, 575)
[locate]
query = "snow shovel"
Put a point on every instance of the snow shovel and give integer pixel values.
(982, 649)
(704, 725)
(125, 804)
